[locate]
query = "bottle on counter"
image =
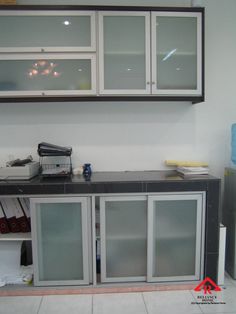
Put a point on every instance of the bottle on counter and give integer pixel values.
(87, 171)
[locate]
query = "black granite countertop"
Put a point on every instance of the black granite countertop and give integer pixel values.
(104, 182)
(135, 176)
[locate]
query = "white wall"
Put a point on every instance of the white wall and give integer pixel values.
(138, 135)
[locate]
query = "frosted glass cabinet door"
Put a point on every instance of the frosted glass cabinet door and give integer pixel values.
(176, 53)
(34, 31)
(45, 74)
(123, 238)
(60, 241)
(124, 48)
(175, 238)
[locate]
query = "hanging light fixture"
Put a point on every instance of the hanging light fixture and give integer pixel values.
(43, 68)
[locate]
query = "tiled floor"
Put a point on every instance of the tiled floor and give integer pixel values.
(158, 302)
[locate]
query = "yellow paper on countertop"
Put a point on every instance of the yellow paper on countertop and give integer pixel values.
(181, 163)
(7, 2)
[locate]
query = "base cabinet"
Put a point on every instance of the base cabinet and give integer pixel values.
(133, 226)
(123, 238)
(144, 237)
(175, 237)
(60, 229)
(152, 238)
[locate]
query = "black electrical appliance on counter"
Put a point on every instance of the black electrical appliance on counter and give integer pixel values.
(55, 161)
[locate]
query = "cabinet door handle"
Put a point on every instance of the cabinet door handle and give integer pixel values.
(148, 83)
(153, 83)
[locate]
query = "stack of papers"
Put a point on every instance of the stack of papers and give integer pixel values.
(186, 163)
(189, 171)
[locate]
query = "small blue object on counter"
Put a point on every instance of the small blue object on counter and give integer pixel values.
(87, 171)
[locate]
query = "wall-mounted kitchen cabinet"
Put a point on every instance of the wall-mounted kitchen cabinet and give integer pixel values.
(141, 53)
(165, 61)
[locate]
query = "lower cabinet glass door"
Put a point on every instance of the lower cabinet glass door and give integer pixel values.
(123, 226)
(60, 240)
(175, 237)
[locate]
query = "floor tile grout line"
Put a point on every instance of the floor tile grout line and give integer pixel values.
(144, 302)
(92, 303)
(40, 304)
(196, 301)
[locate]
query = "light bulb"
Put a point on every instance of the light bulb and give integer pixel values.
(56, 74)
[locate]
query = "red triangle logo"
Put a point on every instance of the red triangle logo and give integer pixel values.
(206, 282)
